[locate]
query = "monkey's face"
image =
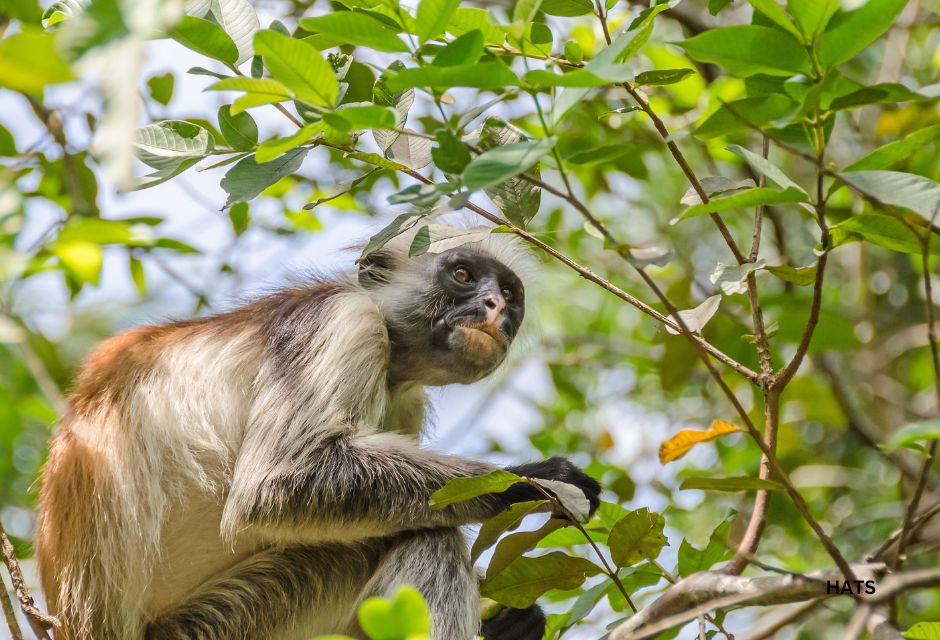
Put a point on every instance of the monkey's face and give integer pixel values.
(480, 303)
(469, 308)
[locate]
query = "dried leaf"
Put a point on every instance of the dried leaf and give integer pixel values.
(678, 445)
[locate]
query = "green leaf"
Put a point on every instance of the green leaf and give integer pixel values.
(801, 276)
(516, 544)
(812, 15)
(247, 179)
(895, 151)
(521, 583)
(767, 168)
(526, 10)
(516, 198)
(621, 49)
(422, 196)
(692, 560)
(262, 88)
(464, 50)
(501, 163)
(161, 88)
(433, 16)
(923, 631)
(405, 616)
(205, 37)
(885, 231)
(400, 101)
(165, 145)
(907, 190)
(240, 131)
(469, 18)
(7, 143)
(398, 226)
(744, 199)
(885, 92)
(567, 8)
(735, 115)
(450, 155)
(81, 259)
(356, 28)
(238, 215)
(275, 148)
(744, 483)
(775, 13)
(462, 489)
(299, 66)
(636, 537)
(578, 77)
(484, 75)
(914, 432)
(29, 62)
(744, 50)
(136, 269)
(493, 528)
(437, 238)
(661, 77)
(715, 6)
(239, 20)
(356, 117)
(850, 32)
(573, 52)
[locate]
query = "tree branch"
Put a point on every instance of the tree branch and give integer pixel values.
(38, 621)
(710, 590)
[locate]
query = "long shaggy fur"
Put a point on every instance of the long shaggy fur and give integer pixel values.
(249, 475)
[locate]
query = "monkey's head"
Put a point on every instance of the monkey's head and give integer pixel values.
(451, 316)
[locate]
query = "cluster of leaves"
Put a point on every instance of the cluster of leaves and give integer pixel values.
(538, 120)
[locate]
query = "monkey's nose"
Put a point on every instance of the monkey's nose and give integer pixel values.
(494, 308)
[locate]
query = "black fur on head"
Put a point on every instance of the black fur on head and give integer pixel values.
(451, 316)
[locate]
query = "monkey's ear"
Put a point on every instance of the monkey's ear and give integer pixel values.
(375, 269)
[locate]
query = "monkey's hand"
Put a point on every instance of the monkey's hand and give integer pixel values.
(556, 468)
(515, 624)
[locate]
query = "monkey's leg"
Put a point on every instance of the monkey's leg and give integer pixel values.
(437, 563)
(276, 594)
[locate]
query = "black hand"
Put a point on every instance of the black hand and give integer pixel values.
(553, 469)
(515, 624)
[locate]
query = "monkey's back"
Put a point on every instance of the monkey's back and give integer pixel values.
(154, 423)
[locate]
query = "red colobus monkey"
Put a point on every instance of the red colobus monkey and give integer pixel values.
(255, 474)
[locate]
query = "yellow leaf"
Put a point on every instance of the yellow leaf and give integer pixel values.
(678, 445)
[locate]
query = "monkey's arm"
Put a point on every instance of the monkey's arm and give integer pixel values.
(352, 484)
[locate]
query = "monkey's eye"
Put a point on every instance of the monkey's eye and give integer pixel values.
(463, 275)
(508, 295)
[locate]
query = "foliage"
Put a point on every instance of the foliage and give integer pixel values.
(737, 203)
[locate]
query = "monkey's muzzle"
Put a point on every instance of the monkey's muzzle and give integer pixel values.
(483, 344)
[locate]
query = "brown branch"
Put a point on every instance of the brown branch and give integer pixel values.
(796, 615)
(38, 621)
(755, 526)
(920, 520)
(710, 590)
(9, 613)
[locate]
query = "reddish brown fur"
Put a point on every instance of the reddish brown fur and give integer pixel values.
(74, 478)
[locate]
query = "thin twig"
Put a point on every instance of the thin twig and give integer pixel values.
(9, 613)
(796, 615)
(38, 621)
(935, 360)
(611, 573)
